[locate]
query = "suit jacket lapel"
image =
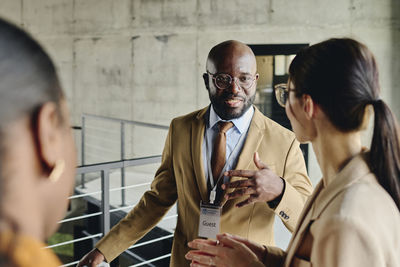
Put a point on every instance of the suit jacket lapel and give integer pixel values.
(302, 224)
(354, 170)
(323, 194)
(253, 141)
(198, 127)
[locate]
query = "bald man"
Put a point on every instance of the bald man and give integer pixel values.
(278, 183)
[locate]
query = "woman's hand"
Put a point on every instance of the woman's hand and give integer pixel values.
(262, 185)
(231, 251)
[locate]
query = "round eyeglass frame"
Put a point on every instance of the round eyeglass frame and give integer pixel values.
(232, 79)
(282, 93)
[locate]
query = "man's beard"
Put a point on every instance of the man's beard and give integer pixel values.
(227, 113)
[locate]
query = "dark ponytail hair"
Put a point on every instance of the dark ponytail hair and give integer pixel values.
(385, 150)
(341, 76)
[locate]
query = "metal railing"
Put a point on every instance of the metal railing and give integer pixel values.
(105, 211)
(105, 169)
(122, 123)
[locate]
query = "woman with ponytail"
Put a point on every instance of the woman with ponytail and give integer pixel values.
(353, 217)
(37, 152)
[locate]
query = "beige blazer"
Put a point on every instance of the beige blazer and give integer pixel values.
(181, 177)
(350, 220)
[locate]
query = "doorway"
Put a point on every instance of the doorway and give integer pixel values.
(273, 62)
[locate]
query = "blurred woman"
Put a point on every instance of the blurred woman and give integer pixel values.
(37, 152)
(352, 218)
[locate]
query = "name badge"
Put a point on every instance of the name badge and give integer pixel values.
(210, 216)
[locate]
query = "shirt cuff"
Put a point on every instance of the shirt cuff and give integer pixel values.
(275, 202)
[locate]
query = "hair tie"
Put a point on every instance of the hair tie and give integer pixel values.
(376, 101)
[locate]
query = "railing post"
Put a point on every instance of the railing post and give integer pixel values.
(123, 168)
(83, 150)
(105, 201)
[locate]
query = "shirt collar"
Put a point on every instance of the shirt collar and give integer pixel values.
(242, 123)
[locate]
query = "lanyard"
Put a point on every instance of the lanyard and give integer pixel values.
(233, 154)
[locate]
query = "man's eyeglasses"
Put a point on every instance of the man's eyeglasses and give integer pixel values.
(282, 93)
(223, 81)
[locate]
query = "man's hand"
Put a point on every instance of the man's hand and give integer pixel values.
(92, 259)
(262, 185)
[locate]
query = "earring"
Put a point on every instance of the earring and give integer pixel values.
(58, 169)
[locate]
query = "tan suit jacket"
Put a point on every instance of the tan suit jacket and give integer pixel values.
(181, 177)
(350, 220)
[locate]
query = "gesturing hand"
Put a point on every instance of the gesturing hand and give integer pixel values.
(261, 185)
(232, 251)
(92, 259)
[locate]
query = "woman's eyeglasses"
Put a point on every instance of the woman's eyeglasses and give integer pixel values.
(282, 93)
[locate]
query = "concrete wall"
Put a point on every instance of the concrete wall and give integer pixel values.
(143, 59)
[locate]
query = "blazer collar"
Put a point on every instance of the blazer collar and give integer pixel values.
(198, 127)
(354, 170)
(254, 137)
(302, 224)
(323, 194)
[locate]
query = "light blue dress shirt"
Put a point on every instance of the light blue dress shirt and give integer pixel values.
(241, 126)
